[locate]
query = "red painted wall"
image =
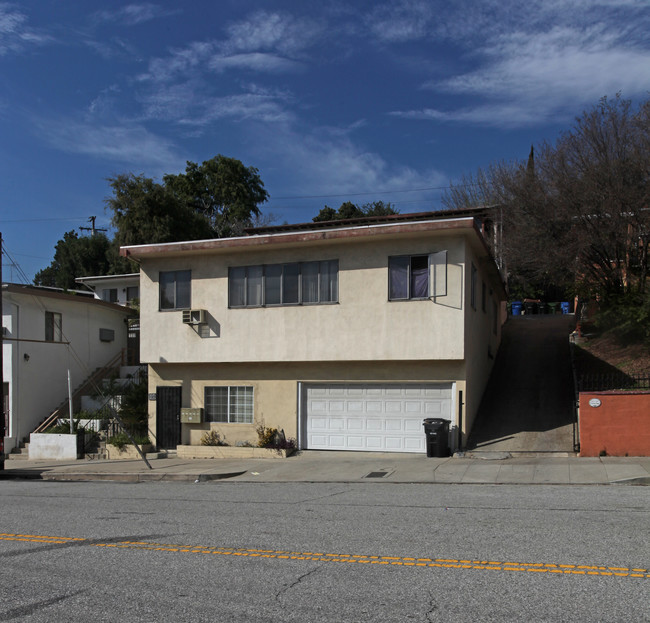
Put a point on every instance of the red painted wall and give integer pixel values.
(620, 425)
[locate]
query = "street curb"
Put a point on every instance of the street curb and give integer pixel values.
(641, 481)
(15, 474)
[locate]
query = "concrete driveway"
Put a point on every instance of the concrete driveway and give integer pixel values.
(528, 404)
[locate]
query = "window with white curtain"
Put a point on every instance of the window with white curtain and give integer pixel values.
(408, 277)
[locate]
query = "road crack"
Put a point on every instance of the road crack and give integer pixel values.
(286, 589)
(432, 613)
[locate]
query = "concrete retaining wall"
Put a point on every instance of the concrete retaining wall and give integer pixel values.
(229, 452)
(616, 423)
(50, 446)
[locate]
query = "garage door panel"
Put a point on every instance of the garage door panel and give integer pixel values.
(414, 445)
(373, 417)
(393, 425)
(355, 424)
(319, 423)
(413, 407)
(413, 426)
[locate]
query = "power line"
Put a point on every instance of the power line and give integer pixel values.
(41, 220)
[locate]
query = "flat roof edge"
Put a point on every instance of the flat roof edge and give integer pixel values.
(356, 231)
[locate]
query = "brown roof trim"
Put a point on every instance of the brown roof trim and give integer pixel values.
(341, 232)
(77, 297)
(478, 211)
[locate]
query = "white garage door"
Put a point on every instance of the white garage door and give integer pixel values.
(374, 418)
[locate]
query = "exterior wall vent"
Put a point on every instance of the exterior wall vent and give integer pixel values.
(106, 335)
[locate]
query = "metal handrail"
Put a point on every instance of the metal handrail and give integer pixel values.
(91, 382)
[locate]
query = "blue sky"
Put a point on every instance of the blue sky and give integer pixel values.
(330, 100)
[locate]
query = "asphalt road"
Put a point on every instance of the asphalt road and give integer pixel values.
(323, 552)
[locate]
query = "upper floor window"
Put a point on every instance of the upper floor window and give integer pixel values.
(109, 295)
(408, 277)
(283, 284)
(132, 293)
(175, 289)
(53, 327)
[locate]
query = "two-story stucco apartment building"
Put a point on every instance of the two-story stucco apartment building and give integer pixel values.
(343, 334)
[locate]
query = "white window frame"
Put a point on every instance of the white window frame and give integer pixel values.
(53, 327)
(240, 403)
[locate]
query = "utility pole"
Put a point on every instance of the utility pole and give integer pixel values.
(92, 227)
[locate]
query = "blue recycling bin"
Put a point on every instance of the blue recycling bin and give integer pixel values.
(564, 307)
(516, 308)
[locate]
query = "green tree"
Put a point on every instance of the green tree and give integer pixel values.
(76, 256)
(146, 212)
(222, 190)
(575, 213)
(349, 210)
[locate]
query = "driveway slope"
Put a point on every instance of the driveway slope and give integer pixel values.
(528, 404)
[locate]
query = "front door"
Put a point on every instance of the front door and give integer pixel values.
(168, 417)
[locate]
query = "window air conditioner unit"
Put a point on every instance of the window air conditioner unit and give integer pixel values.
(194, 316)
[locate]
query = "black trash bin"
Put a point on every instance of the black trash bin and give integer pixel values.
(437, 432)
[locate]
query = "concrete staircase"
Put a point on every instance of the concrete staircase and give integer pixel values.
(21, 453)
(114, 378)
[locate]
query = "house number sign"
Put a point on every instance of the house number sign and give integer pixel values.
(152, 396)
(594, 402)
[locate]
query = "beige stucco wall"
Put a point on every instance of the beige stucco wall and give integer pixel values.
(363, 325)
(276, 387)
(483, 335)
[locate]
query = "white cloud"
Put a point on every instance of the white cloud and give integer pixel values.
(406, 20)
(323, 162)
(15, 35)
(273, 32)
(125, 144)
(265, 43)
(545, 63)
(188, 105)
(254, 61)
(549, 73)
(133, 14)
(180, 62)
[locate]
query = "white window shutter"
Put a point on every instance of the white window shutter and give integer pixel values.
(438, 273)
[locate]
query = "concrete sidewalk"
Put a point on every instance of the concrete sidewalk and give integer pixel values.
(331, 466)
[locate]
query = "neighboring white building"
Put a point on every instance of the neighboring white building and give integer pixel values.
(120, 289)
(47, 332)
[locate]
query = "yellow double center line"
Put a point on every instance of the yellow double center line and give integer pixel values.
(361, 559)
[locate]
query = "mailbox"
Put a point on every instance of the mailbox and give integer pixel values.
(192, 416)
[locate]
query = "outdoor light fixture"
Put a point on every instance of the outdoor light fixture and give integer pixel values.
(26, 357)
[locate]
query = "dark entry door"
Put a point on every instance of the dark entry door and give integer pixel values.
(168, 417)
